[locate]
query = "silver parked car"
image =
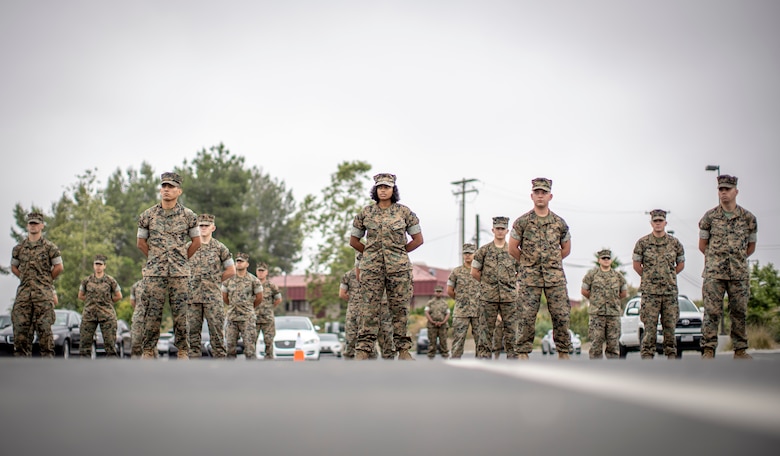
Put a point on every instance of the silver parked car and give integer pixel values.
(548, 343)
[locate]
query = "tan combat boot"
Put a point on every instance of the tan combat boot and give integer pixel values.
(148, 354)
(671, 356)
(522, 356)
(563, 355)
(708, 353)
(404, 355)
(182, 355)
(360, 355)
(742, 354)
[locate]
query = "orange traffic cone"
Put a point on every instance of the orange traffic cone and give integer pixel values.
(298, 355)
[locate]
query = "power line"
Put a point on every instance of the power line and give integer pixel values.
(462, 194)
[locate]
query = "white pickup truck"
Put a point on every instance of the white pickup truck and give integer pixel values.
(687, 331)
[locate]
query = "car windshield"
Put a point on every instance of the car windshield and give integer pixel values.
(296, 323)
(687, 306)
(62, 319)
(328, 336)
(5, 320)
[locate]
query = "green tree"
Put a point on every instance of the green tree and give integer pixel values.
(82, 226)
(329, 216)
(764, 299)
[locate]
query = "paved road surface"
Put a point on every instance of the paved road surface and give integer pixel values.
(334, 407)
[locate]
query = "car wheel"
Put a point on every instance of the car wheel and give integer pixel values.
(121, 350)
(66, 349)
(679, 354)
(623, 350)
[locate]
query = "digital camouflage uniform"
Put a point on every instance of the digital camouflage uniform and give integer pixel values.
(241, 293)
(265, 316)
(497, 295)
(167, 271)
(439, 310)
(137, 327)
(207, 265)
(466, 310)
(659, 257)
(541, 263)
(726, 271)
(351, 285)
(385, 268)
(604, 311)
(98, 311)
(33, 309)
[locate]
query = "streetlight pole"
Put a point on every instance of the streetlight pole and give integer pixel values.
(723, 316)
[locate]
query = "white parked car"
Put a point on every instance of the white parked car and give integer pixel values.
(548, 343)
(687, 332)
(631, 328)
(287, 330)
(330, 343)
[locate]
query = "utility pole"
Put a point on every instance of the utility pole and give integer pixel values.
(462, 194)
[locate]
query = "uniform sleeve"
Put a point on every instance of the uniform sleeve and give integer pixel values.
(344, 285)
(479, 257)
(705, 224)
(358, 226)
(623, 283)
(143, 225)
(565, 233)
(192, 224)
(517, 229)
(452, 280)
(638, 251)
(680, 252)
(54, 254)
(15, 257)
(412, 224)
(753, 229)
(223, 288)
(587, 281)
(226, 257)
(258, 287)
(83, 286)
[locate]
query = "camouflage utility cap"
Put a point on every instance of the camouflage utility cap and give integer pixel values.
(34, 217)
(384, 179)
(657, 214)
(438, 289)
(205, 219)
(241, 256)
(541, 183)
(262, 266)
(500, 222)
(100, 259)
(469, 248)
(727, 181)
(171, 178)
(605, 253)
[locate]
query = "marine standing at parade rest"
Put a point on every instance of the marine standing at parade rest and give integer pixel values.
(658, 258)
(99, 292)
(539, 241)
(163, 232)
(211, 265)
(727, 237)
(137, 327)
(604, 287)
(496, 272)
(36, 262)
(264, 312)
(385, 268)
(437, 312)
(464, 289)
(349, 290)
(242, 293)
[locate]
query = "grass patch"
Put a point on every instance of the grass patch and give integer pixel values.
(759, 337)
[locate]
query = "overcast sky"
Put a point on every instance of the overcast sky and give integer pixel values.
(622, 104)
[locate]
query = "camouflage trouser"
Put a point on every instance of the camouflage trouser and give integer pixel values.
(156, 289)
(398, 287)
(437, 337)
(713, 292)
(28, 318)
(557, 303)
(604, 328)
(385, 336)
(498, 339)
(460, 328)
(87, 330)
(245, 329)
(214, 314)
(137, 330)
(268, 328)
(351, 329)
(509, 315)
(669, 309)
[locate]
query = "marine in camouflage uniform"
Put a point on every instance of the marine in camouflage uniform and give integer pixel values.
(658, 258)
(496, 272)
(137, 326)
(604, 287)
(349, 290)
(437, 312)
(539, 241)
(242, 293)
(265, 323)
(385, 268)
(727, 237)
(99, 292)
(464, 289)
(163, 231)
(36, 262)
(211, 265)
(498, 337)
